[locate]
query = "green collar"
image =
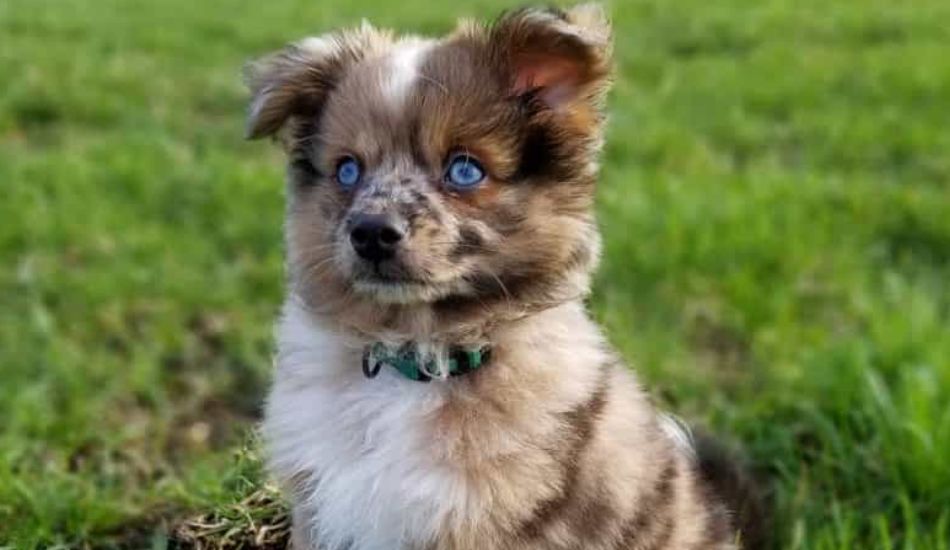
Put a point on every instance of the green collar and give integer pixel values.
(408, 360)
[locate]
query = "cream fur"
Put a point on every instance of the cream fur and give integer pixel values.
(403, 67)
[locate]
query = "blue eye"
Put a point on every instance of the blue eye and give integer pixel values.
(348, 172)
(464, 172)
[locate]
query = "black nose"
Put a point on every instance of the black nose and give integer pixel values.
(375, 237)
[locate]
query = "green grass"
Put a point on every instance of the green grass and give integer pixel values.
(775, 200)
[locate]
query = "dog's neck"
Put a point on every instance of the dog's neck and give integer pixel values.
(465, 321)
(480, 324)
(429, 324)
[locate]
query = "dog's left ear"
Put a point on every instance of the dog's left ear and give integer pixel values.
(297, 80)
(560, 57)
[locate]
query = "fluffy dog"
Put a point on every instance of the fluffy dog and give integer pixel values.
(439, 384)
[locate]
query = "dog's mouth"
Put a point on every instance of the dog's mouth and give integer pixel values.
(399, 280)
(401, 290)
(388, 273)
(390, 284)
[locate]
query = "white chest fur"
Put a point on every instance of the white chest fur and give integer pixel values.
(358, 451)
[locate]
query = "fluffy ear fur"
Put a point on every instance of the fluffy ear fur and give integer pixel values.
(297, 80)
(558, 56)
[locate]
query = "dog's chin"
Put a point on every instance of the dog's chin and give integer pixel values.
(403, 292)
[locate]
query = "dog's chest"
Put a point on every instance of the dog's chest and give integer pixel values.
(371, 453)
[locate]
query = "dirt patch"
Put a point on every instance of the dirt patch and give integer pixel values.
(726, 348)
(260, 520)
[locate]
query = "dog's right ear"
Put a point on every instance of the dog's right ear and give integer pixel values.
(561, 57)
(296, 81)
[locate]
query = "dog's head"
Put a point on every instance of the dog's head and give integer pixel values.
(447, 174)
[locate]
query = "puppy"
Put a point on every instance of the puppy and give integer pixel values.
(439, 383)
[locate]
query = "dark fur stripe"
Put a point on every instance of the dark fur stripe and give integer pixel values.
(469, 242)
(580, 421)
(580, 257)
(652, 525)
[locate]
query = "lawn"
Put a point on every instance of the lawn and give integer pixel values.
(775, 202)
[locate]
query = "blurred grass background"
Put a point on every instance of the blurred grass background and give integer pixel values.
(775, 201)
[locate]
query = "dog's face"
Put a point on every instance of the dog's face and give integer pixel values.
(440, 173)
